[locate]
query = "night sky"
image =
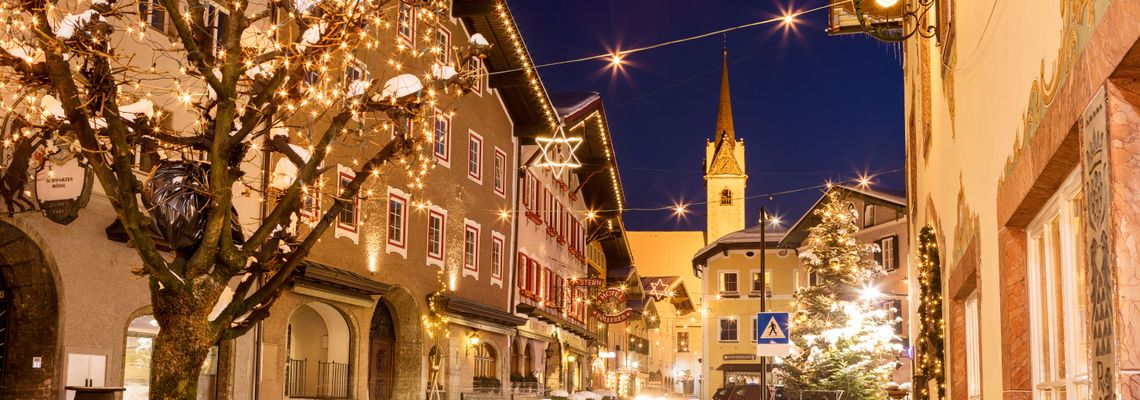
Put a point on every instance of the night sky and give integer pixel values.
(809, 106)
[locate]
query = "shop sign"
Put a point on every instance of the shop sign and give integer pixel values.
(739, 357)
(588, 282)
(62, 189)
(611, 307)
(607, 354)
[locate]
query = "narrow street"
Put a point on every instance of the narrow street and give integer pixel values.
(591, 200)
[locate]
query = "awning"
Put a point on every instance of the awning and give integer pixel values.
(482, 312)
(317, 274)
(739, 368)
(556, 320)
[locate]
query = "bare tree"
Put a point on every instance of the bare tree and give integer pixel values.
(100, 80)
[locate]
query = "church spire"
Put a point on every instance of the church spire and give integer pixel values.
(724, 143)
(724, 129)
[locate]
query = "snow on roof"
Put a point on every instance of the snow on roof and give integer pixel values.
(888, 196)
(570, 103)
(745, 236)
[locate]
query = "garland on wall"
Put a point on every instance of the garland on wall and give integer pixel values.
(932, 325)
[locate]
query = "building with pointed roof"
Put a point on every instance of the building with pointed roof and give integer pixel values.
(724, 169)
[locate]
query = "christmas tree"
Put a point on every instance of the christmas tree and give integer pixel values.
(843, 340)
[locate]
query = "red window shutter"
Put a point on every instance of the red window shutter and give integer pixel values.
(520, 276)
(549, 283)
(529, 275)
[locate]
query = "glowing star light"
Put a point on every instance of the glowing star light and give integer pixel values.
(558, 152)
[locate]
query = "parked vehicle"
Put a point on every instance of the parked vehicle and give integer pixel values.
(748, 391)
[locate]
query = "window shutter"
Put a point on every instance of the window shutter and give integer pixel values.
(894, 253)
(520, 276)
(879, 255)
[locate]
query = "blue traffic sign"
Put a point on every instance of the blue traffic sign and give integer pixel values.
(773, 328)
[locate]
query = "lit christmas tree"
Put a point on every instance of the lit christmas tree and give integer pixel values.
(843, 339)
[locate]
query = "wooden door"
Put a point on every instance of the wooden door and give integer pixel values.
(381, 354)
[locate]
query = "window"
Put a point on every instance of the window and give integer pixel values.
(310, 205)
(442, 45)
(216, 22)
(728, 282)
(682, 341)
(154, 14)
(894, 314)
(443, 138)
(476, 67)
(406, 23)
(759, 287)
(498, 244)
(728, 330)
(946, 24)
(471, 249)
(532, 277)
(397, 221)
(500, 172)
(347, 218)
(407, 128)
(475, 157)
(868, 215)
(726, 197)
(973, 352)
(1058, 296)
(485, 361)
(436, 233)
(520, 273)
(890, 247)
(755, 328)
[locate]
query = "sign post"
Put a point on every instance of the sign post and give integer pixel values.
(772, 337)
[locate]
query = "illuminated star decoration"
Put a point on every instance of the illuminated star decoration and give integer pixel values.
(558, 152)
(658, 290)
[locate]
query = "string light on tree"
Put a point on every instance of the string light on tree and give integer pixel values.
(843, 338)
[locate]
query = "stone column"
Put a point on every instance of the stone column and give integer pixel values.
(1115, 276)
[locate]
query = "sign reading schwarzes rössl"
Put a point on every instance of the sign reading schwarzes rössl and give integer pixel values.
(62, 189)
(611, 307)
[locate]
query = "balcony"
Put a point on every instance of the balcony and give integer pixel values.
(329, 380)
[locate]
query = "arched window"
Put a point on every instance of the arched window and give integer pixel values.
(726, 197)
(485, 362)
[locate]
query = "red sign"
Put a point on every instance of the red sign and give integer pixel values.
(611, 307)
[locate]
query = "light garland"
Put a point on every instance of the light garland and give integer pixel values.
(929, 350)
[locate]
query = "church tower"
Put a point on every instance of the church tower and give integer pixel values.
(724, 170)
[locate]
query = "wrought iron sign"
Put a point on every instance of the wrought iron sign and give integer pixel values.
(885, 20)
(611, 307)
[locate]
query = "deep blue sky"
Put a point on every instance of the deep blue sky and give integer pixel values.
(809, 106)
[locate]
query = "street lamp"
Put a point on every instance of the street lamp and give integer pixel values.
(885, 20)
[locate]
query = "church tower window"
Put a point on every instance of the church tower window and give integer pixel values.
(726, 197)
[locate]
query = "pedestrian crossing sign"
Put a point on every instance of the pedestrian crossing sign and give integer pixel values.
(772, 334)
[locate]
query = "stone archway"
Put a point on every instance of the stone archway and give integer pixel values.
(407, 365)
(33, 329)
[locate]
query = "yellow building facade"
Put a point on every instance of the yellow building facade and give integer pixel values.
(1022, 173)
(733, 283)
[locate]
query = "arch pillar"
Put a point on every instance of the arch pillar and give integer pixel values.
(409, 379)
(35, 326)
